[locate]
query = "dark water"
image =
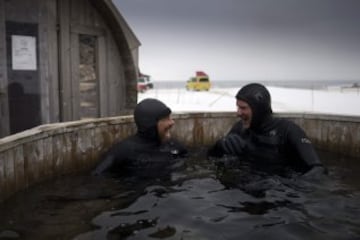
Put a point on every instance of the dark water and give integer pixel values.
(197, 201)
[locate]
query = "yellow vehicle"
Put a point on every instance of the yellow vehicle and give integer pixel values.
(201, 82)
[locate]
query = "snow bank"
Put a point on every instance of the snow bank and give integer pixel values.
(337, 101)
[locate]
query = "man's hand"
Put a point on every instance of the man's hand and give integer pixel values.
(233, 144)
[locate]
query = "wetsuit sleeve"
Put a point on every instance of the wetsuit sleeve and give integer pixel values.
(104, 165)
(303, 147)
(112, 160)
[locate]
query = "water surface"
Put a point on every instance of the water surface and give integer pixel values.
(197, 201)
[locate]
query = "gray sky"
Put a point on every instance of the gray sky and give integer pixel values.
(247, 39)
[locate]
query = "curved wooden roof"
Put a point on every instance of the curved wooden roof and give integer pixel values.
(123, 35)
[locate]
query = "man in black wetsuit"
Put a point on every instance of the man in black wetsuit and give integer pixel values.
(151, 152)
(266, 142)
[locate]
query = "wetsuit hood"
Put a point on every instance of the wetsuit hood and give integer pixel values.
(146, 115)
(259, 100)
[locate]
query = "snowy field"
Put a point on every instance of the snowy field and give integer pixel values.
(334, 100)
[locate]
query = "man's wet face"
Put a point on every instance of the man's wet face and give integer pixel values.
(164, 126)
(244, 112)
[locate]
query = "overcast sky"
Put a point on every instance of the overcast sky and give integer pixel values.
(247, 39)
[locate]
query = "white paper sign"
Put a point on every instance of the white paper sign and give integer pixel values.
(23, 52)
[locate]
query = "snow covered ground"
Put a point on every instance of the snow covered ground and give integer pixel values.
(334, 100)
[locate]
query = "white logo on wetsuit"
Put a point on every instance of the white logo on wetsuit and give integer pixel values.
(305, 140)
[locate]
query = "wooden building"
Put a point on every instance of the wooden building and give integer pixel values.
(64, 60)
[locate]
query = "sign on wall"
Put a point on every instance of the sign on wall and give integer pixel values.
(23, 52)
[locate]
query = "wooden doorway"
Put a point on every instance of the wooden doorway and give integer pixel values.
(88, 80)
(83, 61)
(87, 67)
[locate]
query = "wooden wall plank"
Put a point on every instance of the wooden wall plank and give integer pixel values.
(102, 76)
(74, 39)
(44, 71)
(116, 79)
(53, 60)
(4, 110)
(65, 51)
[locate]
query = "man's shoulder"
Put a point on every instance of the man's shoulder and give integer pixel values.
(290, 127)
(238, 127)
(123, 144)
(285, 122)
(281, 126)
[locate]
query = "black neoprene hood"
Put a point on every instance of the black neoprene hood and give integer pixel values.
(146, 115)
(259, 100)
